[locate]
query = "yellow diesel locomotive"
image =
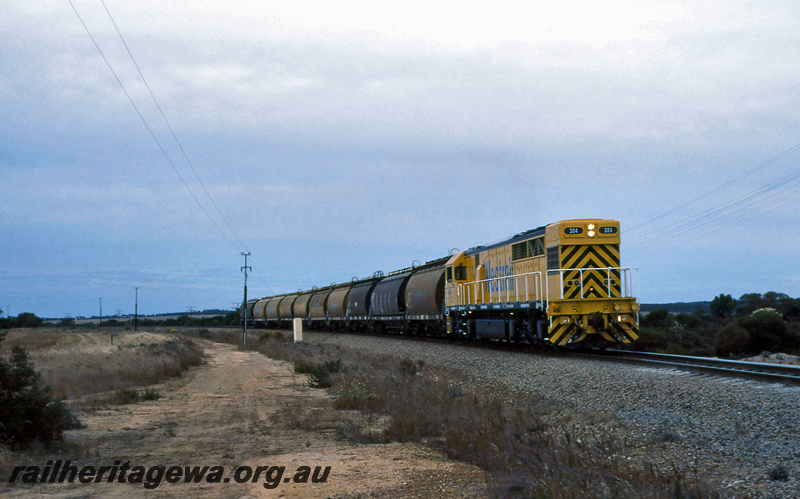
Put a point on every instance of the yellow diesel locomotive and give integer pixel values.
(559, 284)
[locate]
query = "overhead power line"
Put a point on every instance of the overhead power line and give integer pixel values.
(171, 131)
(751, 205)
(718, 188)
(152, 133)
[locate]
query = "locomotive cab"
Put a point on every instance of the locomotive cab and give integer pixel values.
(459, 270)
(588, 293)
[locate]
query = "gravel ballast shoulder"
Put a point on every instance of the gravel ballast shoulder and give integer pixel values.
(742, 435)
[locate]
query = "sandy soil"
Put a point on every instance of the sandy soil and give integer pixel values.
(242, 408)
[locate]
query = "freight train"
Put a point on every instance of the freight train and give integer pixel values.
(559, 284)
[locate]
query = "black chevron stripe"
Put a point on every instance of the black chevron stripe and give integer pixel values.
(592, 277)
(606, 255)
(592, 258)
(568, 254)
(594, 280)
(605, 258)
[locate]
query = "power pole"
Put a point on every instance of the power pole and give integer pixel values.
(101, 311)
(136, 310)
(244, 305)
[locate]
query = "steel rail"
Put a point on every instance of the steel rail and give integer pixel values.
(761, 371)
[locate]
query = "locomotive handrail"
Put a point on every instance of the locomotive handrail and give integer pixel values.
(475, 289)
(626, 289)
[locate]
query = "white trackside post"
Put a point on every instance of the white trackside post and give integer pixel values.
(298, 330)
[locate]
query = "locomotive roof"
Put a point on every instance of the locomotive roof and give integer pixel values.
(538, 231)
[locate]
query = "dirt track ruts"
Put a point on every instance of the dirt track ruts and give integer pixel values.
(241, 408)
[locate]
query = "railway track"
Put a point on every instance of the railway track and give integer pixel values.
(777, 373)
(760, 371)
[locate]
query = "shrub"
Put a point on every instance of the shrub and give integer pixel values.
(677, 340)
(652, 339)
(410, 368)
(28, 412)
(767, 330)
(763, 330)
(319, 375)
(128, 395)
(150, 394)
(732, 340)
(272, 336)
(354, 394)
(657, 318)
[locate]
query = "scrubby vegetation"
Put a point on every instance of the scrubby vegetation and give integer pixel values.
(90, 368)
(228, 319)
(130, 395)
(28, 411)
(504, 433)
(748, 326)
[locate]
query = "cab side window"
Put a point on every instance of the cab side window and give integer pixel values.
(461, 273)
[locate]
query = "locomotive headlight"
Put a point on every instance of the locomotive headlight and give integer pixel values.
(591, 233)
(590, 227)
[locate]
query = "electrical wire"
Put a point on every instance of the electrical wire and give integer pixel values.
(169, 126)
(744, 208)
(149, 129)
(718, 188)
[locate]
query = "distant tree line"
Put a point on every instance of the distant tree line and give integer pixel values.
(229, 319)
(724, 306)
(29, 320)
(25, 319)
(753, 324)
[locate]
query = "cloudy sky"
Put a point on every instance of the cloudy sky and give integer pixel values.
(334, 139)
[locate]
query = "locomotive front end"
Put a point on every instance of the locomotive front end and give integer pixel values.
(589, 295)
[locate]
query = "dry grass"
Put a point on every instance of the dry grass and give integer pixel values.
(89, 368)
(504, 433)
(33, 339)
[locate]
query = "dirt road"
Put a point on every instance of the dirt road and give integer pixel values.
(243, 409)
